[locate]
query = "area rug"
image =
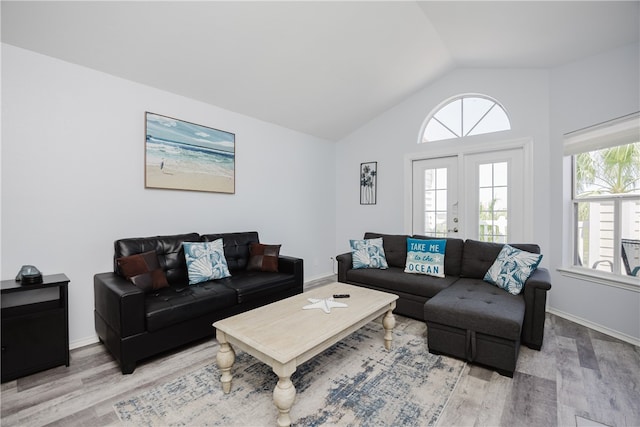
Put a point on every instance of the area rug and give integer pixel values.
(355, 382)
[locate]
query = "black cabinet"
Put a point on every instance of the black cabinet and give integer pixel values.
(35, 326)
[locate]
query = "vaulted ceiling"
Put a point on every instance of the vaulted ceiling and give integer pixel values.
(323, 68)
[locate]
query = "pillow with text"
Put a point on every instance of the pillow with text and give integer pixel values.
(425, 257)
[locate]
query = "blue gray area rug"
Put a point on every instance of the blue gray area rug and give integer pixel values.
(356, 382)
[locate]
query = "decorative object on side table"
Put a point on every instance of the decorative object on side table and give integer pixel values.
(29, 275)
(35, 326)
(368, 183)
(184, 156)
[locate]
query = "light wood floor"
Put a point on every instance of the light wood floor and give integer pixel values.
(579, 377)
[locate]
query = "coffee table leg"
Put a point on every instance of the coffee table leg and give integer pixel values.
(225, 358)
(284, 394)
(388, 322)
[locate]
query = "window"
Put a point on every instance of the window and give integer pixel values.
(606, 196)
(466, 115)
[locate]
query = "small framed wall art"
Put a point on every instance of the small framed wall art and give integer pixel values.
(185, 156)
(368, 183)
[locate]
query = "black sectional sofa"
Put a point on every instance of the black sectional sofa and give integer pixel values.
(466, 317)
(134, 324)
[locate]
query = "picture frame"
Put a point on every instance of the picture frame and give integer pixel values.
(181, 155)
(368, 183)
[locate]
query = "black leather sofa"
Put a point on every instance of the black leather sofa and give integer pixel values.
(466, 317)
(135, 325)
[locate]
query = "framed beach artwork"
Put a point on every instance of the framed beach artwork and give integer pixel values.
(368, 183)
(185, 156)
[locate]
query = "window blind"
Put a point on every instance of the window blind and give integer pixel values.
(620, 131)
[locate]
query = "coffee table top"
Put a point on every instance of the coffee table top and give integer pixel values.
(284, 331)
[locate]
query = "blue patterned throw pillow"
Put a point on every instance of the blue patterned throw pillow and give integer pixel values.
(512, 268)
(205, 261)
(368, 253)
(425, 257)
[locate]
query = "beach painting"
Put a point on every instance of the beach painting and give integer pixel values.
(184, 156)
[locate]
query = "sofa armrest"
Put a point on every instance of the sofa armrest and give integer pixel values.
(345, 263)
(291, 265)
(535, 298)
(119, 303)
(539, 279)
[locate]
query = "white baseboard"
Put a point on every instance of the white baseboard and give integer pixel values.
(310, 282)
(595, 326)
(83, 342)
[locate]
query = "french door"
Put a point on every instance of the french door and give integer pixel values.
(477, 196)
(435, 197)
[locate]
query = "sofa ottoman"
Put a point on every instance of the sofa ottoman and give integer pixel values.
(476, 321)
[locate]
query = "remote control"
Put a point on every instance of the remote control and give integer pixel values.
(341, 295)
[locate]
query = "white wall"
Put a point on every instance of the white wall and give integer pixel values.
(584, 93)
(73, 177)
(395, 134)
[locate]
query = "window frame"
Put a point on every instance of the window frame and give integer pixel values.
(455, 136)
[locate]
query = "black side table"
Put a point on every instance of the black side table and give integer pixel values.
(35, 326)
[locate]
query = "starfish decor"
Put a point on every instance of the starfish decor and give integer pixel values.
(325, 304)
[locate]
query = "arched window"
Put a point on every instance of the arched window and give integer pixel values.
(466, 115)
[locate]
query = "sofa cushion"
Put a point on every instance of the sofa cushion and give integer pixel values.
(263, 257)
(395, 247)
(173, 305)
(236, 247)
(452, 254)
(368, 253)
(472, 304)
(168, 249)
(254, 285)
(395, 279)
(425, 257)
(143, 270)
(478, 256)
(205, 261)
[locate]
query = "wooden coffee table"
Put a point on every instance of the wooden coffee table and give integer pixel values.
(283, 335)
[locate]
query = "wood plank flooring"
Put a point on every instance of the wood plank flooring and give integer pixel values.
(579, 376)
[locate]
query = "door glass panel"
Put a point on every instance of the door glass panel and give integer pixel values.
(500, 197)
(500, 174)
(429, 223)
(492, 196)
(435, 202)
(486, 198)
